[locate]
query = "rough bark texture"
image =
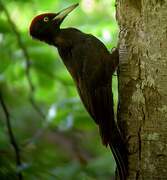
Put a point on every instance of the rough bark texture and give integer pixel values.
(142, 112)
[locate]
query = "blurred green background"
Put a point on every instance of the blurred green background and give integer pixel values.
(56, 136)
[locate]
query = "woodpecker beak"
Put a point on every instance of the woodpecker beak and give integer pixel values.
(62, 14)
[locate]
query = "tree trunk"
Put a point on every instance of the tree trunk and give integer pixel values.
(142, 112)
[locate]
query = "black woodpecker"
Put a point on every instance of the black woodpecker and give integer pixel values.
(91, 65)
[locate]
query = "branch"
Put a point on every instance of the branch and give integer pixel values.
(26, 55)
(20, 43)
(11, 136)
(37, 109)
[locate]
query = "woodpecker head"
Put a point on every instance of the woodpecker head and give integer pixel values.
(44, 26)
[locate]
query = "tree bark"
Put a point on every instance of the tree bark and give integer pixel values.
(142, 112)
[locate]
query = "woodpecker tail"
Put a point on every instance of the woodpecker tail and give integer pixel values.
(111, 136)
(120, 169)
(119, 151)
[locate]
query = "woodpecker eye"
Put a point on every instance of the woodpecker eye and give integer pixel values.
(45, 19)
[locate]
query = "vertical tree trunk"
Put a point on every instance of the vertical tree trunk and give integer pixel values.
(142, 113)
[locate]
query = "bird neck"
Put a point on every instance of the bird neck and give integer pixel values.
(50, 36)
(65, 37)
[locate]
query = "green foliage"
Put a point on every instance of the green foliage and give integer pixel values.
(65, 143)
